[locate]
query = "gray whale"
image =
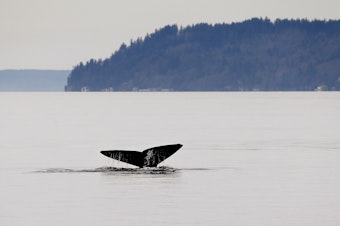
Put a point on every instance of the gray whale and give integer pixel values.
(148, 158)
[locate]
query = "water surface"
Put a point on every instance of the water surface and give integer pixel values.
(248, 159)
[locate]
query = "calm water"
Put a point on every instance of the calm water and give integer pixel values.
(247, 159)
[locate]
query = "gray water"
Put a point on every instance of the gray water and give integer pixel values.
(248, 159)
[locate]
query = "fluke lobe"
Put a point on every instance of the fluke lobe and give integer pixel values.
(148, 158)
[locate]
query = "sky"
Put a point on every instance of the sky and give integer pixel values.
(59, 34)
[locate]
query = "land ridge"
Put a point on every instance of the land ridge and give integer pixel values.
(33, 80)
(253, 55)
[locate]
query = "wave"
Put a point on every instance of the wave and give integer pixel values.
(147, 170)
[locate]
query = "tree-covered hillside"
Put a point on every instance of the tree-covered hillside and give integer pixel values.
(256, 54)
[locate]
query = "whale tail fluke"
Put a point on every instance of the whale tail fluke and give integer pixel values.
(148, 158)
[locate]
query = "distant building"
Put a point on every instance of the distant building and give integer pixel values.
(84, 89)
(321, 88)
(110, 89)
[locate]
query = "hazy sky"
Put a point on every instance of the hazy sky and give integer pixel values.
(58, 34)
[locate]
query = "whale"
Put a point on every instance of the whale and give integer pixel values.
(148, 158)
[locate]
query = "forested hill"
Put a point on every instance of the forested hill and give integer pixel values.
(256, 54)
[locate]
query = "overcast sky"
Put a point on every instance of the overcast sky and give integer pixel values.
(58, 34)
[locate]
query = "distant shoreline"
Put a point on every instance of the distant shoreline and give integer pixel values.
(33, 80)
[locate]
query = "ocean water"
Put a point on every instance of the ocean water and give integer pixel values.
(257, 158)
